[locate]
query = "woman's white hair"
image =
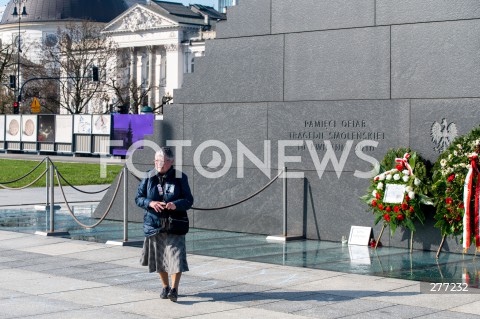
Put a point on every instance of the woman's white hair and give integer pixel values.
(165, 152)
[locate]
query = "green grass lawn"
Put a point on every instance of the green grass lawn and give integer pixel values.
(75, 173)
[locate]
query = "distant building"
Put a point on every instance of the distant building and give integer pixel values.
(223, 4)
(157, 41)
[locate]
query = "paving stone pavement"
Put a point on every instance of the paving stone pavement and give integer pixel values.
(46, 277)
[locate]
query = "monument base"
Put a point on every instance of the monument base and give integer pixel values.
(47, 207)
(281, 238)
(124, 243)
(57, 233)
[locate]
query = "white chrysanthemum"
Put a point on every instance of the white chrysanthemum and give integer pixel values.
(406, 172)
(405, 178)
(443, 162)
(396, 177)
(388, 177)
(411, 195)
(459, 146)
(450, 156)
(455, 153)
(417, 181)
(374, 193)
(380, 186)
(409, 189)
(381, 177)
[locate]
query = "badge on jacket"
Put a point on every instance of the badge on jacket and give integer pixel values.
(160, 190)
(170, 188)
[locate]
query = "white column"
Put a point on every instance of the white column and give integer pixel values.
(151, 75)
(174, 67)
(133, 60)
(158, 72)
(140, 68)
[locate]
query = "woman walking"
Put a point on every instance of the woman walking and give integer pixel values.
(164, 196)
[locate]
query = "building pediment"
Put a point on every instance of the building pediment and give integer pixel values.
(139, 18)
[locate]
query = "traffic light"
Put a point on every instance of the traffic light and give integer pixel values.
(15, 108)
(13, 81)
(95, 74)
(123, 109)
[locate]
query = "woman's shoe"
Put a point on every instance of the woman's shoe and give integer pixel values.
(164, 293)
(173, 295)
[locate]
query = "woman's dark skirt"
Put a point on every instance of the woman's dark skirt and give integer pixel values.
(165, 253)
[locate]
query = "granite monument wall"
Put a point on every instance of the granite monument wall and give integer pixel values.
(342, 71)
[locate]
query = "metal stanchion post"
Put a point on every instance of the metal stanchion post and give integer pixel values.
(284, 237)
(285, 202)
(51, 207)
(47, 177)
(48, 181)
(52, 199)
(125, 241)
(125, 204)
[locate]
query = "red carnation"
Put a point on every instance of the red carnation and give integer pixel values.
(387, 217)
(404, 206)
(461, 206)
(407, 198)
(376, 178)
(399, 167)
(411, 209)
(451, 178)
(388, 209)
(380, 206)
(377, 195)
(448, 200)
(396, 209)
(400, 217)
(374, 203)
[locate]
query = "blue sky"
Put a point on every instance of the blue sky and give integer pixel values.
(212, 3)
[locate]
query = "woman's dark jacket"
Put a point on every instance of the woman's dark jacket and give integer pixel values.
(174, 189)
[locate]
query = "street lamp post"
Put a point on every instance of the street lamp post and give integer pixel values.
(18, 4)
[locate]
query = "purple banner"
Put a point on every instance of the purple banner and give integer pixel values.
(130, 128)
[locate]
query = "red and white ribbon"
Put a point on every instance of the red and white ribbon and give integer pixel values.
(468, 189)
(404, 162)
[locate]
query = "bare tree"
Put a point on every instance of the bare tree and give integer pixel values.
(80, 47)
(6, 69)
(131, 96)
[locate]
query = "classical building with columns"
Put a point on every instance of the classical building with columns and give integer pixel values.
(158, 41)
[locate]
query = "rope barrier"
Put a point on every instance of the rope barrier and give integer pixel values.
(243, 200)
(103, 216)
(60, 177)
(79, 190)
(23, 187)
(238, 202)
(20, 178)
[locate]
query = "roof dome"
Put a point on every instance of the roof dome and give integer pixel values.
(55, 10)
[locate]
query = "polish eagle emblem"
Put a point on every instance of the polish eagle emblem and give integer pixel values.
(443, 134)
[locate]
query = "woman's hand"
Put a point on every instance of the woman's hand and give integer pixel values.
(157, 206)
(171, 206)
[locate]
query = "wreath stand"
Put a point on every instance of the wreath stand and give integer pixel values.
(381, 233)
(440, 247)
